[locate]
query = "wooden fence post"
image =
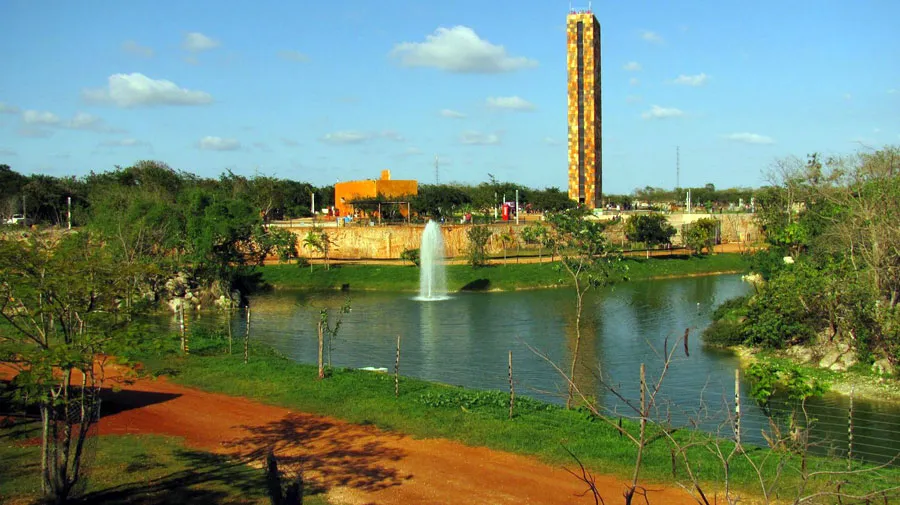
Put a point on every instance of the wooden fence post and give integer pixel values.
(850, 431)
(181, 324)
(247, 338)
(397, 370)
(230, 330)
(512, 391)
(737, 407)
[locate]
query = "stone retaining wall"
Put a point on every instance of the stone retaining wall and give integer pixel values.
(387, 242)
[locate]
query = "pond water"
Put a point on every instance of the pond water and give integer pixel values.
(465, 341)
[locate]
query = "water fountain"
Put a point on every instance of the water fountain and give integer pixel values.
(433, 272)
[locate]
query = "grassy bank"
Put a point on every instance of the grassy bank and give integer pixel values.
(478, 418)
(124, 469)
(507, 277)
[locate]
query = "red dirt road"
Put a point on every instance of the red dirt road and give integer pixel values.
(354, 464)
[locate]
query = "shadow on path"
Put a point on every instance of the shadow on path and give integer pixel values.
(329, 454)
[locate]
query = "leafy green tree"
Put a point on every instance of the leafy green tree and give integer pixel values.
(535, 234)
(700, 235)
(550, 200)
(60, 301)
(318, 240)
(588, 259)
(478, 238)
(651, 229)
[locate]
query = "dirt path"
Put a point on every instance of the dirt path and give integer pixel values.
(353, 464)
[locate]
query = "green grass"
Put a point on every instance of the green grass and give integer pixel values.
(496, 277)
(478, 418)
(124, 469)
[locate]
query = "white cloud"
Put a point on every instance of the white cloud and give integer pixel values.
(391, 135)
(89, 122)
(346, 137)
(32, 132)
(509, 102)
(692, 80)
(749, 138)
(633, 99)
(129, 142)
(132, 47)
(411, 151)
(632, 66)
(34, 117)
(138, 90)
(452, 114)
(479, 139)
(653, 37)
(634, 81)
(6, 108)
(196, 42)
(295, 56)
(358, 137)
(459, 50)
(657, 112)
(218, 144)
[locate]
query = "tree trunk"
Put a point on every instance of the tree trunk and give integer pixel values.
(321, 331)
(578, 307)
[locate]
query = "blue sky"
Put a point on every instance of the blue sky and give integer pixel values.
(321, 91)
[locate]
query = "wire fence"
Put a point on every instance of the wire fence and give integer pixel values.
(840, 426)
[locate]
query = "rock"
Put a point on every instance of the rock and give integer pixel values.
(801, 353)
(883, 367)
(847, 360)
(830, 359)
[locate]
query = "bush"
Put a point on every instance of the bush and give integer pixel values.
(478, 237)
(411, 255)
(723, 333)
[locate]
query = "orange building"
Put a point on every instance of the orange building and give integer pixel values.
(346, 192)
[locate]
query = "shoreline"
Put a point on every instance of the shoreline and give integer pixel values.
(866, 387)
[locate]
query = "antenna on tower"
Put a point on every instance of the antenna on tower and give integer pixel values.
(677, 167)
(437, 178)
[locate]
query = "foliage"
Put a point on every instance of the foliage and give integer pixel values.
(331, 332)
(61, 300)
(410, 255)
(318, 240)
(834, 262)
(770, 379)
(652, 229)
(588, 259)
(478, 238)
(700, 235)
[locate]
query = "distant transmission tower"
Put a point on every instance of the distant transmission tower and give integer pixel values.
(677, 167)
(437, 177)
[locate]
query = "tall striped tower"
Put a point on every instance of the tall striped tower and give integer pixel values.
(585, 132)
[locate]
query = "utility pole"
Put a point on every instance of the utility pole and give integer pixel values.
(517, 206)
(69, 200)
(677, 167)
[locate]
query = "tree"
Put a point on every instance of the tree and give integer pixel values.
(587, 258)
(61, 303)
(652, 229)
(478, 238)
(700, 235)
(507, 239)
(318, 240)
(535, 234)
